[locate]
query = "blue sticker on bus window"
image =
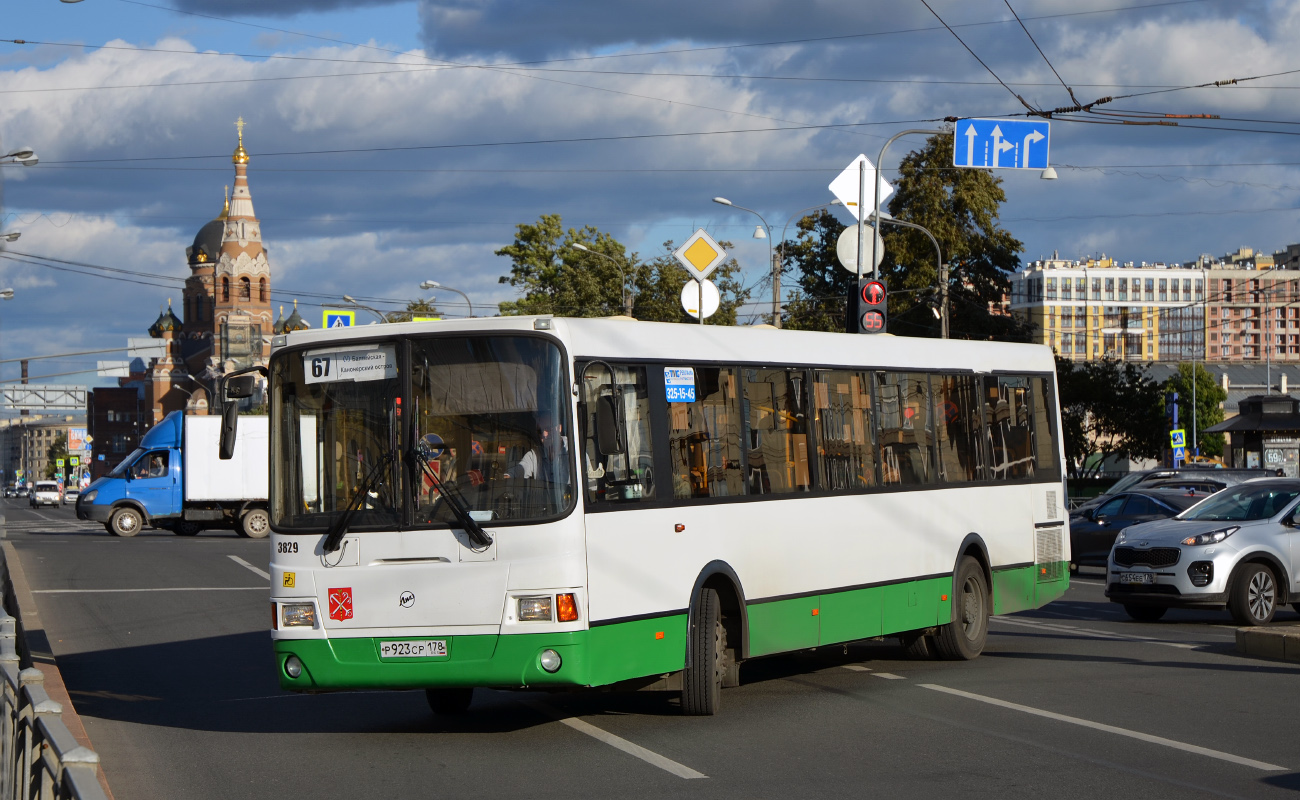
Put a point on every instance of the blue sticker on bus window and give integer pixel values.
(679, 384)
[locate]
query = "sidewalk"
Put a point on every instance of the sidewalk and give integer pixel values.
(1281, 642)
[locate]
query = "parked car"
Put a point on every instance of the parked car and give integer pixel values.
(1189, 484)
(70, 496)
(1237, 550)
(45, 493)
(1140, 479)
(1093, 533)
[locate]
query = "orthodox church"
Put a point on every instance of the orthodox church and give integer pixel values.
(225, 322)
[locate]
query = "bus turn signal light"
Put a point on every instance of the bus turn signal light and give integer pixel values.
(566, 607)
(678, 528)
(943, 598)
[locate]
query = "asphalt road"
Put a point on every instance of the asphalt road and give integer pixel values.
(177, 692)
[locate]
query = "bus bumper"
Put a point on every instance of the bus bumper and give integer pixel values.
(512, 661)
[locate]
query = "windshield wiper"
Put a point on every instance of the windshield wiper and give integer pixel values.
(459, 509)
(340, 527)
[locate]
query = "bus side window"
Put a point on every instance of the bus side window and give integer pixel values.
(958, 414)
(846, 455)
(621, 477)
(776, 413)
(704, 438)
(1044, 427)
(905, 434)
(1008, 407)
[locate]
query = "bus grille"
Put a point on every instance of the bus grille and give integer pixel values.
(1155, 557)
(1049, 554)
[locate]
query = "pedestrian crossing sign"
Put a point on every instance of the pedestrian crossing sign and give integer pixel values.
(339, 319)
(1177, 439)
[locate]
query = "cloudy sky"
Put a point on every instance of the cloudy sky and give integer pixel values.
(394, 142)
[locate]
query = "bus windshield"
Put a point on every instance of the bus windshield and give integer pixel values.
(486, 420)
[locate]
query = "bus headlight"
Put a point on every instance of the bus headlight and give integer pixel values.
(298, 615)
(550, 660)
(535, 609)
(89, 497)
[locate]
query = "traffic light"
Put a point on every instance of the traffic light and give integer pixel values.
(868, 309)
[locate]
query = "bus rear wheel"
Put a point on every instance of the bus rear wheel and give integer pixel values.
(449, 701)
(702, 678)
(964, 637)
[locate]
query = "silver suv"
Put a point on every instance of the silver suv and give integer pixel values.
(1238, 548)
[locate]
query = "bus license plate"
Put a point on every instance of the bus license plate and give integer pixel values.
(1136, 577)
(423, 648)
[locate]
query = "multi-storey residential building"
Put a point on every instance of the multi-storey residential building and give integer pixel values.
(25, 443)
(1101, 308)
(1243, 307)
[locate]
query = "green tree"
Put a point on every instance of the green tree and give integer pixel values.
(57, 449)
(415, 308)
(1108, 408)
(558, 278)
(822, 285)
(1209, 396)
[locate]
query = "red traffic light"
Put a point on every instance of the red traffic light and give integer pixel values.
(873, 293)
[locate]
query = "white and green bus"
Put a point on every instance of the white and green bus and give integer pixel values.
(538, 502)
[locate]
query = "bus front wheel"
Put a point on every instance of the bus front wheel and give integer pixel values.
(702, 678)
(449, 701)
(964, 637)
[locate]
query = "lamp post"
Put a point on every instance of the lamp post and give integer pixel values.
(625, 297)
(26, 156)
(382, 316)
(763, 231)
(426, 285)
(884, 217)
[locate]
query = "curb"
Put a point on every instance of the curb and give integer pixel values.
(35, 647)
(1281, 642)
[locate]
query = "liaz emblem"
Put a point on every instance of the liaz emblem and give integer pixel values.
(340, 604)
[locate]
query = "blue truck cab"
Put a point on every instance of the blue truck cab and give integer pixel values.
(149, 486)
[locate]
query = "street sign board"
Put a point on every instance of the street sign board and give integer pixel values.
(58, 462)
(74, 461)
(700, 255)
(1001, 143)
(339, 319)
(691, 298)
(845, 186)
(1180, 455)
(846, 249)
(1178, 438)
(52, 397)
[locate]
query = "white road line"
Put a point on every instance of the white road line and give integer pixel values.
(1090, 583)
(889, 676)
(857, 667)
(241, 562)
(1123, 637)
(1145, 737)
(617, 742)
(156, 589)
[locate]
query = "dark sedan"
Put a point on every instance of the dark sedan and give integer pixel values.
(1093, 532)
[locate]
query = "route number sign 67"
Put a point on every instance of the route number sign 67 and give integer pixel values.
(320, 367)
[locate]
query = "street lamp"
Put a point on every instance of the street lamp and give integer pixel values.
(762, 232)
(884, 217)
(6, 294)
(12, 236)
(382, 317)
(26, 157)
(435, 285)
(625, 298)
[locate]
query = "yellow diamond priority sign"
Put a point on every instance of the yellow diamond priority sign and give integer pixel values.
(700, 255)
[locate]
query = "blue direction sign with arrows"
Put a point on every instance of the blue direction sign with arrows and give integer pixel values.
(1001, 143)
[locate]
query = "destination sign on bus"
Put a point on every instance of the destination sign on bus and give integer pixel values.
(679, 384)
(363, 364)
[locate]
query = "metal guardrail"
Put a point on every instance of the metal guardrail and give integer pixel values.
(39, 758)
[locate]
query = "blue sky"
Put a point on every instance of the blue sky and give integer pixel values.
(441, 73)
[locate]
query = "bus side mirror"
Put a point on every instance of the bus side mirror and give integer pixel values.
(609, 434)
(235, 387)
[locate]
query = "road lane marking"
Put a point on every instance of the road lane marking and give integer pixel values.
(241, 562)
(1145, 737)
(617, 742)
(1076, 631)
(1089, 583)
(857, 667)
(889, 676)
(156, 589)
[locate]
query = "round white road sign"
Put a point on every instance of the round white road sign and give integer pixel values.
(846, 249)
(691, 298)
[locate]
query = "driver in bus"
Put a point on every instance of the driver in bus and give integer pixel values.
(548, 459)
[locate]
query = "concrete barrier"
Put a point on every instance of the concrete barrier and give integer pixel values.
(1281, 642)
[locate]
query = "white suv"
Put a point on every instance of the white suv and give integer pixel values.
(45, 493)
